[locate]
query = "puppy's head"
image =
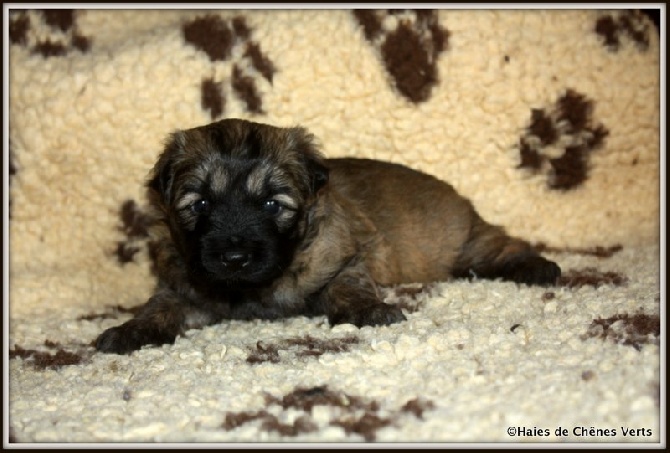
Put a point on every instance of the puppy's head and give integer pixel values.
(234, 194)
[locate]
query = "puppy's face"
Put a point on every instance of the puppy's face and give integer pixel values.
(234, 194)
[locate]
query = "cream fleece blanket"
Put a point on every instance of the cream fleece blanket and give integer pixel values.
(547, 120)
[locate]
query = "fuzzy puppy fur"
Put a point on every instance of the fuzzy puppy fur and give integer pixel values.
(253, 222)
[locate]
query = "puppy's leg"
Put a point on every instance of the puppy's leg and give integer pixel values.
(490, 253)
(352, 298)
(159, 321)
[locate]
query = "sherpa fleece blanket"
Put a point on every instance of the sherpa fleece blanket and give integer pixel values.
(547, 119)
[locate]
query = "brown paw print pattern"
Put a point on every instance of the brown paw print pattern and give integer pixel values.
(135, 224)
(623, 328)
(296, 348)
(42, 359)
(355, 415)
(560, 139)
(220, 40)
(409, 43)
(64, 36)
(620, 26)
(11, 170)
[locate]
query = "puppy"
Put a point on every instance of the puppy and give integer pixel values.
(253, 222)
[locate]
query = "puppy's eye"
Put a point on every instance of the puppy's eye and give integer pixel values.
(200, 206)
(272, 207)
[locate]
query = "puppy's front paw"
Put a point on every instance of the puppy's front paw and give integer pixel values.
(379, 314)
(131, 336)
(533, 270)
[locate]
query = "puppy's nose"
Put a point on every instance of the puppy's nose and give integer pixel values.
(235, 259)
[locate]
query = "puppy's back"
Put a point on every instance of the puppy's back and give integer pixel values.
(423, 220)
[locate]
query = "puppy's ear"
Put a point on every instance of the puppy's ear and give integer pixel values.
(318, 173)
(312, 159)
(162, 175)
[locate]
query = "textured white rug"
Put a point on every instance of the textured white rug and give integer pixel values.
(547, 120)
(473, 360)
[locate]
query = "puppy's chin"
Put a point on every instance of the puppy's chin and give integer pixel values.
(253, 275)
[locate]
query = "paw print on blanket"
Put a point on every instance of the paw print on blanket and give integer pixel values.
(559, 140)
(626, 24)
(135, 225)
(633, 330)
(359, 417)
(11, 172)
(409, 43)
(50, 32)
(225, 40)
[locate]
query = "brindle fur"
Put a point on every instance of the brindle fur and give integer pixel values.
(346, 226)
